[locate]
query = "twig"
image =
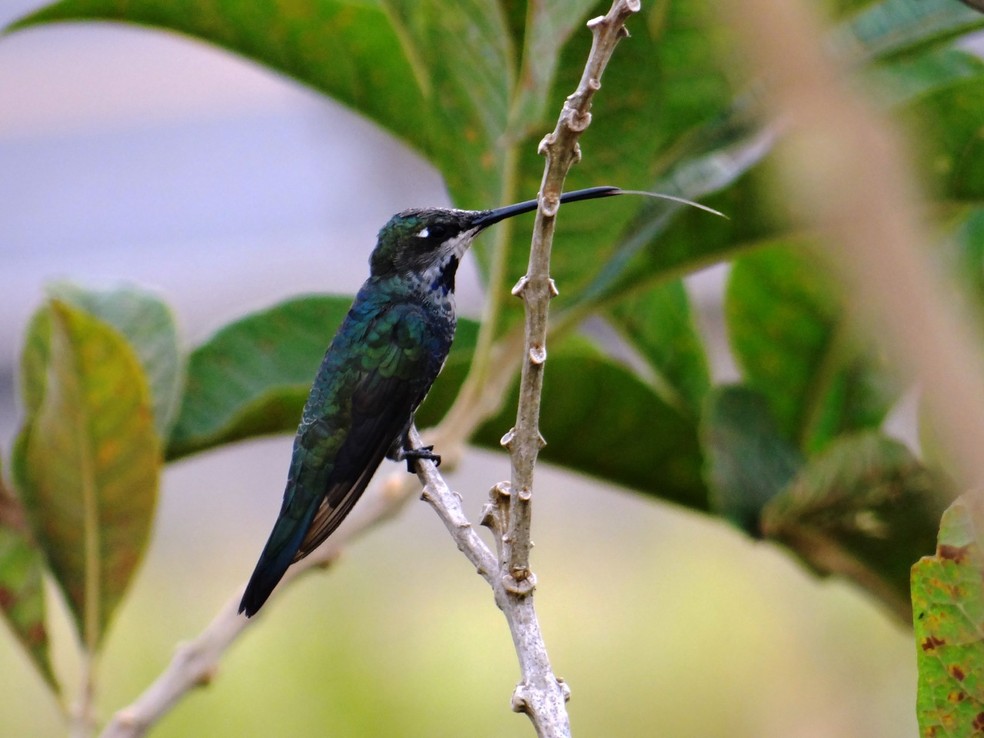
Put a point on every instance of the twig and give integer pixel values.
(195, 663)
(535, 695)
(536, 288)
(845, 167)
(540, 694)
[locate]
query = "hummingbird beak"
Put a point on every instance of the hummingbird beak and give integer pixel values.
(488, 217)
(485, 218)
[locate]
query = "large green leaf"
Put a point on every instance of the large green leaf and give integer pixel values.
(662, 81)
(21, 587)
(549, 24)
(948, 122)
(599, 418)
(437, 75)
(659, 324)
(899, 27)
(948, 605)
(797, 346)
(87, 463)
(148, 325)
(865, 509)
(665, 241)
(748, 461)
(905, 81)
(253, 376)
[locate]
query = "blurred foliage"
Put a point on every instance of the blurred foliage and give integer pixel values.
(794, 454)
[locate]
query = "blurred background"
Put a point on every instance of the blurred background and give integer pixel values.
(137, 156)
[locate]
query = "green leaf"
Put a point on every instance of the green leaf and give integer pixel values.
(948, 121)
(662, 81)
(905, 81)
(600, 419)
(948, 604)
(87, 464)
(748, 461)
(550, 24)
(666, 241)
(659, 325)
(796, 345)
(253, 376)
(465, 66)
(437, 75)
(864, 509)
(21, 586)
(147, 323)
(898, 27)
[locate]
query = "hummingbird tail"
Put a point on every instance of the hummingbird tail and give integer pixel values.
(277, 556)
(261, 585)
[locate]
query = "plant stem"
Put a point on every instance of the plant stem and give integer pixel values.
(540, 694)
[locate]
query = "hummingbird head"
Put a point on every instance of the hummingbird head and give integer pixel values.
(428, 243)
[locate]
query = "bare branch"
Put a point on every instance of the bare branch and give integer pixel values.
(540, 694)
(195, 663)
(537, 694)
(536, 288)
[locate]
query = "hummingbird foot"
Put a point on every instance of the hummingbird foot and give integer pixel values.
(410, 455)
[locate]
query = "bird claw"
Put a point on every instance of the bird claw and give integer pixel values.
(411, 455)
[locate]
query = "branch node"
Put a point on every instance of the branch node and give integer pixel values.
(520, 701)
(538, 355)
(549, 202)
(520, 287)
(489, 516)
(578, 122)
(541, 441)
(552, 287)
(500, 490)
(507, 440)
(519, 582)
(545, 143)
(565, 689)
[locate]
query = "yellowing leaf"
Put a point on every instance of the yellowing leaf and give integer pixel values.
(87, 464)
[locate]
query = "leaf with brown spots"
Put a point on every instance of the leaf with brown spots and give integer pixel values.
(21, 590)
(948, 604)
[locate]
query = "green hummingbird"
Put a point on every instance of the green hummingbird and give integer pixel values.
(379, 367)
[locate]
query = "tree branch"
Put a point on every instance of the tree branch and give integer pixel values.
(195, 663)
(540, 694)
(536, 288)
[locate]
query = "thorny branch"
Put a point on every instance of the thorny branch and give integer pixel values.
(540, 694)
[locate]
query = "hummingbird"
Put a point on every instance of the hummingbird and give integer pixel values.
(385, 356)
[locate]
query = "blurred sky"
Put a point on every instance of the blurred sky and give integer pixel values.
(135, 155)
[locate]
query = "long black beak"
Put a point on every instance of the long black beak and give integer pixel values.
(488, 217)
(485, 218)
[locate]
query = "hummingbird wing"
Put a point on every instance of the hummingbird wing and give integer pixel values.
(377, 370)
(401, 356)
